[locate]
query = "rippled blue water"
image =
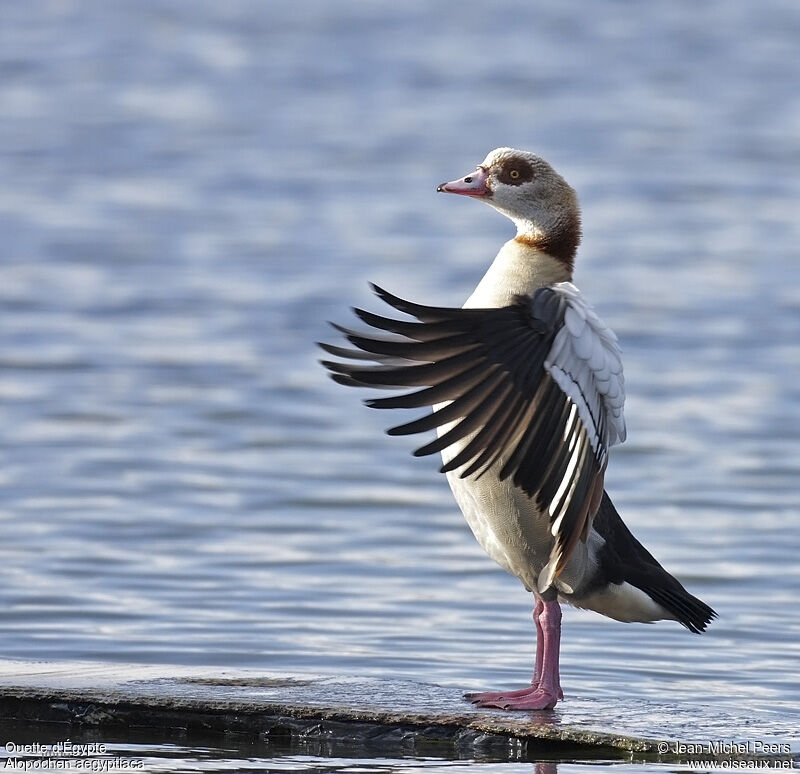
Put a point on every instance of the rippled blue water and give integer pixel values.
(187, 193)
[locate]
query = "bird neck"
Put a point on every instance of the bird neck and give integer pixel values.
(519, 269)
(558, 236)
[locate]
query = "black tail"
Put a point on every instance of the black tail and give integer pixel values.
(692, 612)
(624, 558)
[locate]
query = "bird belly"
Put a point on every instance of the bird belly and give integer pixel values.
(505, 523)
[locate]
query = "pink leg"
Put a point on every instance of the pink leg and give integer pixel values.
(545, 689)
(537, 669)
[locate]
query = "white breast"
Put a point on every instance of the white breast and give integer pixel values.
(503, 519)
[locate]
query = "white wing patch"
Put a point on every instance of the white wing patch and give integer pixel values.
(586, 363)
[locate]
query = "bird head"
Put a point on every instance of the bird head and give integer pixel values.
(526, 189)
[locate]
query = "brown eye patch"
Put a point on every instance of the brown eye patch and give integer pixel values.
(515, 172)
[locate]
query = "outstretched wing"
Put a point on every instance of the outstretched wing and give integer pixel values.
(533, 391)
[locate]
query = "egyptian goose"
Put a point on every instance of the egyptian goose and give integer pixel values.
(527, 389)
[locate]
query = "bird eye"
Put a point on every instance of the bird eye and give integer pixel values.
(515, 172)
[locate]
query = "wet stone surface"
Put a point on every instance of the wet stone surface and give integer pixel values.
(362, 715)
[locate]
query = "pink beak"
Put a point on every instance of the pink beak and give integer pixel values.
(474, 184)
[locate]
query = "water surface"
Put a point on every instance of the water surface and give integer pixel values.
(187, 193)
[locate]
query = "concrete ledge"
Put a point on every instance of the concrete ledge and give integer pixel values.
(344, 716)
